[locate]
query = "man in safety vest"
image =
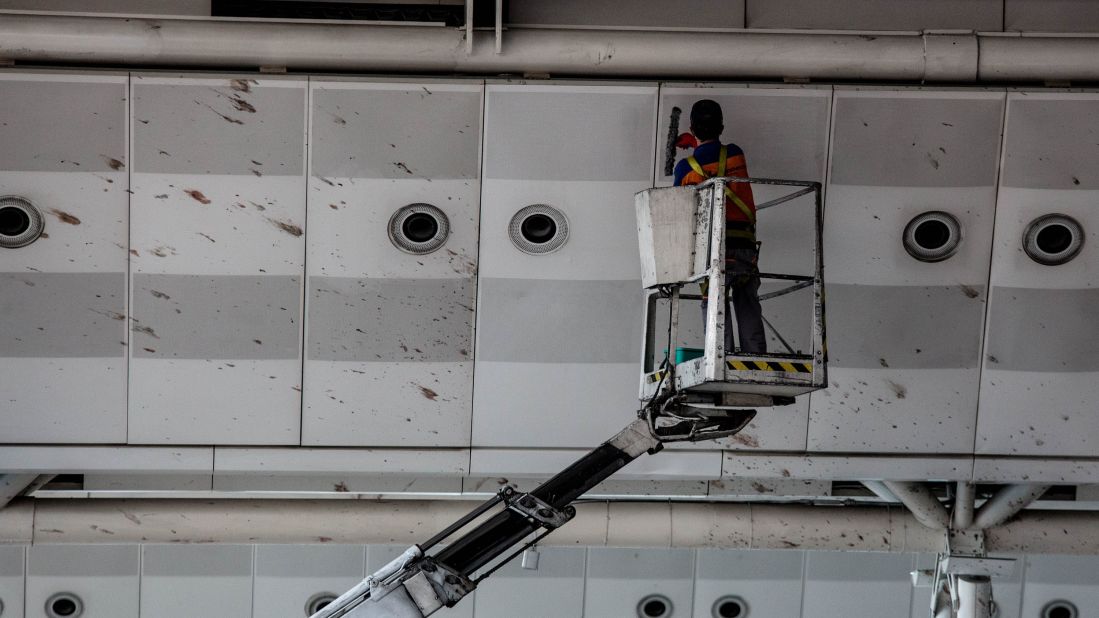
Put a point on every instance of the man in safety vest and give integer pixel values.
(712, 159)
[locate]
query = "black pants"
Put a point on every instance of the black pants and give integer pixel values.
(742, 287)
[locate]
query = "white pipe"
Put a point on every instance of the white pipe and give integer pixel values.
(597, 524)
(963, 505)
(880, 490)
(925, 507)
(974, 596)
(898, 56)
(1005, 503)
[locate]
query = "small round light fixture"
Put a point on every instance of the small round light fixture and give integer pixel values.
(1060, 609)
(654, 606)
(64, 605)
(21, 223)
(318, 601)
(932, 236)
(538, 229)
(729, 607)
(418, 228)
(1052, 240)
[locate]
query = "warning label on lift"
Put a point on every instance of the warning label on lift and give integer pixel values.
(762, 365)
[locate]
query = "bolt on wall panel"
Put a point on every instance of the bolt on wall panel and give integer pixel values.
(550, 586)
(389, 334)
(856, 584)
(621, 581)
(217, 259)
(558, 333)
(783, 132)
(904, 335)
(63, 296)
(184, 581)
(291, 580)
(1038, 388)
(103, 579)
(760, 583)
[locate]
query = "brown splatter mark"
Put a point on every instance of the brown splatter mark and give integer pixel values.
(242, 106)
(333, 207)
(881, 361)
(790, 544)
(898, 389)
(286, 226)
(113, 163)
(131, 517)
(149, 350)
(162, 196)
(255, 172)
(947, 124)
(206, 236)
(324, 539)
(427, 392)
(341, 487)
(933, 161)
(326, 181)
(257, 342)
(163, 251)
(402, 166)
(146, 330)
(1075, 180)
(992, 359)
(223, 116)
(969, 291)
(785, 473)
(98, 529)
(197, 196)
(53, 530)
(259, 207)
(159, 294)
(338, 119)
(242, 85)
(43, 235)
(761, 488)
(64, 217)
(746, 439)
(134, 253)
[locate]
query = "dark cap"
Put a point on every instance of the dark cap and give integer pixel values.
(706, 113)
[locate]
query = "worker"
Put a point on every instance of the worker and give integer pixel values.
(710, 159)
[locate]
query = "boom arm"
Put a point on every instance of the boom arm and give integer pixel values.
(416, 585)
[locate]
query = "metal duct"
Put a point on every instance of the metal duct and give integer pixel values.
(925, 507)
(896, 56)
(1006, 503)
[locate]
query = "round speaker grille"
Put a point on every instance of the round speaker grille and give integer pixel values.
(1052, 240)
(21, 223)
(419, 228)
(932, 236)
(538, 229)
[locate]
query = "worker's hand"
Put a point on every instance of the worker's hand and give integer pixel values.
(686, 140)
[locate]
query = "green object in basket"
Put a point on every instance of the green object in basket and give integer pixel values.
(683, 355)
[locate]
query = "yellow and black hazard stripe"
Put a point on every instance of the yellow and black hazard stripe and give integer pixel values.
(763, 365)
(656, 376)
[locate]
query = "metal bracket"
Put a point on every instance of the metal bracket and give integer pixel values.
(450, 586)
(979, 566)
(540, 511)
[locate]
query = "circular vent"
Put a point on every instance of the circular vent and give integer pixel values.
(1060, 609)
(933, 236)
(654, 606)
(317, 602)
(538, 229)
(730, 607)
(64, 605)
(1053, 239)
(20, 222)
(418, 228)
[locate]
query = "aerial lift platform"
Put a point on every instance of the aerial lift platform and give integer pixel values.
(696, 400)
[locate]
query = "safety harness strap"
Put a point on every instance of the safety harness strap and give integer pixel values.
(722, 161)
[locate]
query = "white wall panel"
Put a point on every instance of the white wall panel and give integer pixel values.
(876, 14)
(784, 134)
(1051, 15)
(618, 579)
(288, 576)
(558, 334)
(63, 297)
(218, 216)
(389, 333)
(184, 581)
(12, 564)
(1061, 578)
(103, 577)
(856, 584)
(768, 582)
(555, 589)
(1039, 389)
(904, 336)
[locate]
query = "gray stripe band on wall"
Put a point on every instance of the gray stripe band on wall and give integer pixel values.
(904, 327)
(390, 320)
(241, 317)
(1043, 330)
(62, 315)
(555, 321)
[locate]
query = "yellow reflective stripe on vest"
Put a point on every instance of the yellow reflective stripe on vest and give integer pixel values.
(722, 160)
